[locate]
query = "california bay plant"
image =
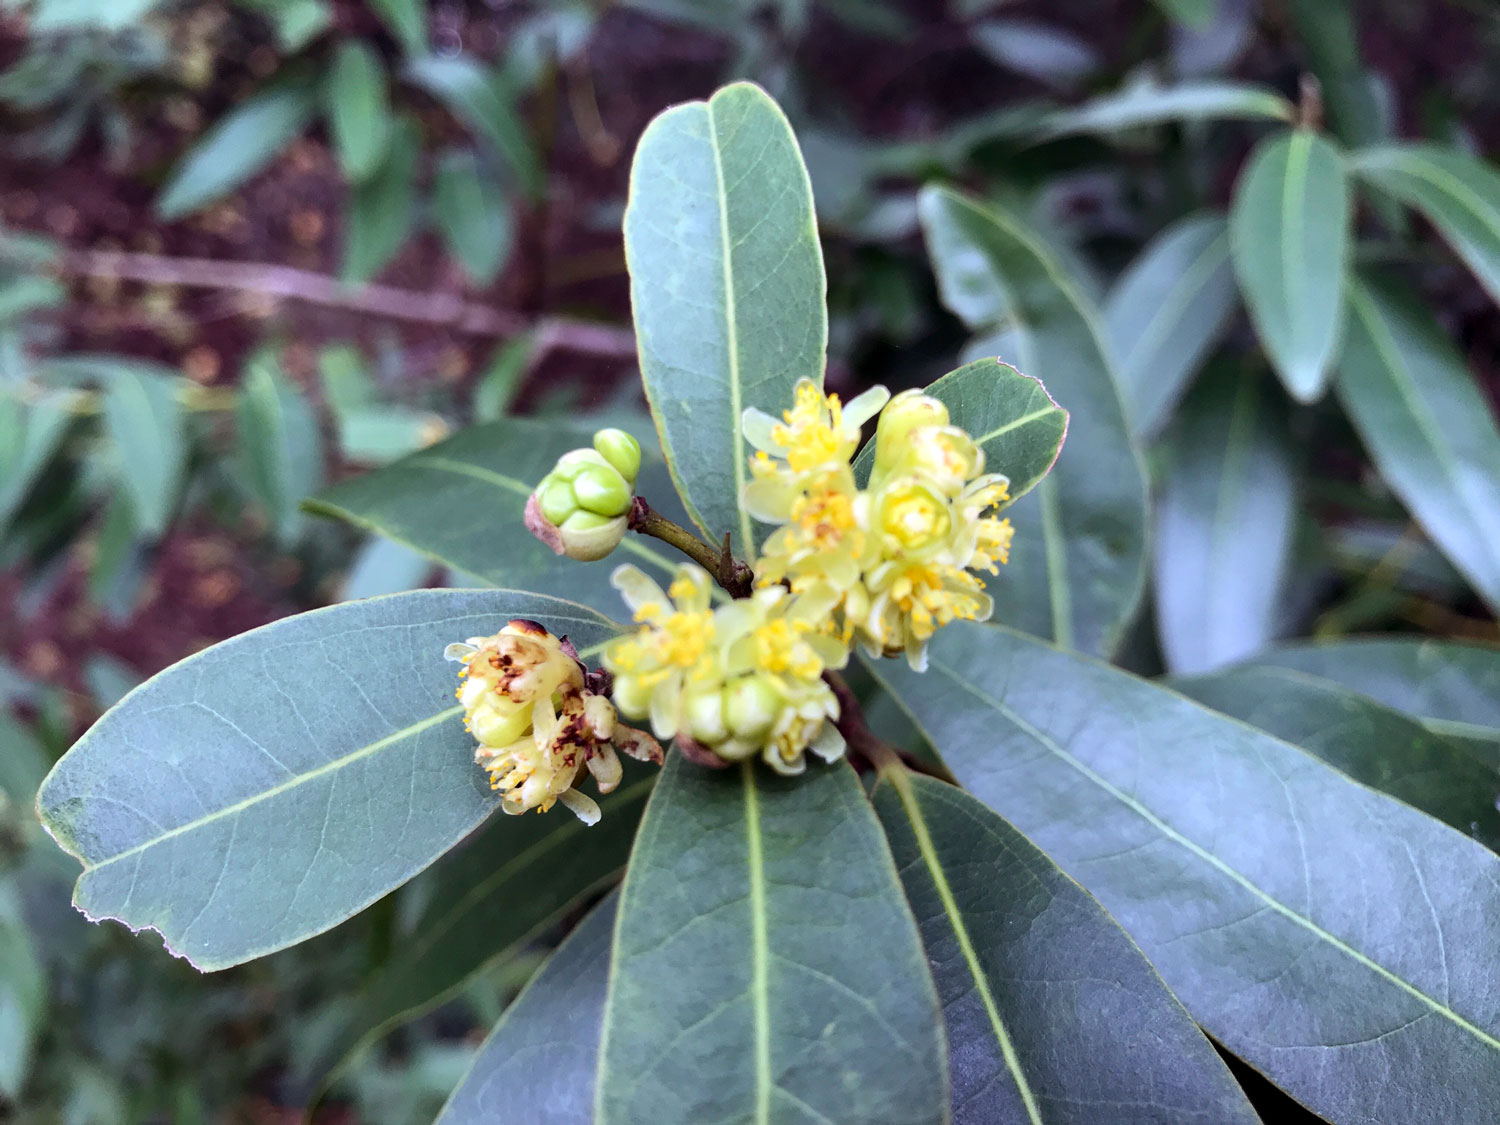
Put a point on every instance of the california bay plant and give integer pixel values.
(1033, 898)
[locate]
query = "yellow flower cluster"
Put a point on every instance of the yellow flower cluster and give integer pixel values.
(726, 682)
(889, 564)
(527, 703)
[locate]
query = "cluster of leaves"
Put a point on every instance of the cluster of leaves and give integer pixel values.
(925, 943)
(1197, 494)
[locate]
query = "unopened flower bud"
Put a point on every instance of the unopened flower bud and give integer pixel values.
(908, 411)
(620, 450)
(579, 508)
(751, 705)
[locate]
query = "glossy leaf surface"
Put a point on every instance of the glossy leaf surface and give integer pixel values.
(1078, 560)
(1452, 686)
(461, 502)
(1166, 313)
(1374, 744)
(1224, 525)
(265, 789)
(1458, 193)
(1047, 1000)
(727, 289)
(1289, 232)
(1427, 427)
(538, 1063)
(731, 997)
(1339, 941)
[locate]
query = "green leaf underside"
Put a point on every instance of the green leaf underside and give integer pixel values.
(1459, 194)
(538, 1064)
(734, 994)
(243, 142)
(1166, 312)
(1077, 563)
(1339, 941)
(1427, 426)
(144, 420)
(1202, 99)
(1224, 526)
(265, 789)
(518, 875)
(1011, 416)
(727, 289)
(1452, 687)
(1373, 744)
(1047, 1000)
(461, 502)
(1289, 232)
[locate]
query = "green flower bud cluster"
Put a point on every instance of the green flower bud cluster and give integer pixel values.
(580, 507)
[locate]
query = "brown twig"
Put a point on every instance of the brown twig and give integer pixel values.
(869, 745)
(728, 571)
(446, 310)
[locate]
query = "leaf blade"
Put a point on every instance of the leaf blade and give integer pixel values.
(1026, 933)
(1077, 565)
(1127, 787)
(145, 422)
(720, 956)
(158, 845)
(1289, 236)
(1427, 428)
(727, 288)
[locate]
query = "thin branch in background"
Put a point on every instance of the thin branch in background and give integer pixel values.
(445, 310)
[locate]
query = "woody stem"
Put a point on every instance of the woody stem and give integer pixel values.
(728, 571)
(869, 745)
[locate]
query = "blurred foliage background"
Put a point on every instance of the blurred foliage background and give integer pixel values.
(248, 247)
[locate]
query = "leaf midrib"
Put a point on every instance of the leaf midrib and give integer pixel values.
(1429, 172)
(732, 335)
(1189, 285)
(760, 945)
(899, 779)
(1391, 358)
(1170, 833)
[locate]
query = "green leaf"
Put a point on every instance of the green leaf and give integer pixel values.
(1078, 562)
(1225, 517)
(381, 433)
(238, 146)
(734, 993)
(383, 566)
(1193, 13)
(473, 215)
(727, 288)
(407, 21)
(1046, 999)
(382, 210)
(519, 875)
(1373, 744)
(359, 109)
(1148, 103)
(539, 1061)
(1426, 426)
(1457, 193)
(1330, 37)
(267, 788)
(462, 501)
(1452, 687)
(478, 98)
(1010, 415)
(23, 998)
(20, 296)
(281, 446)
(1337, 940)
(144, 420)
(1167, 312)
(1289, 234)
(29, 435)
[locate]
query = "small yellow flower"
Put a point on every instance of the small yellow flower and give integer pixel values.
(527, 703)
(730, 682)
(819, 432)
